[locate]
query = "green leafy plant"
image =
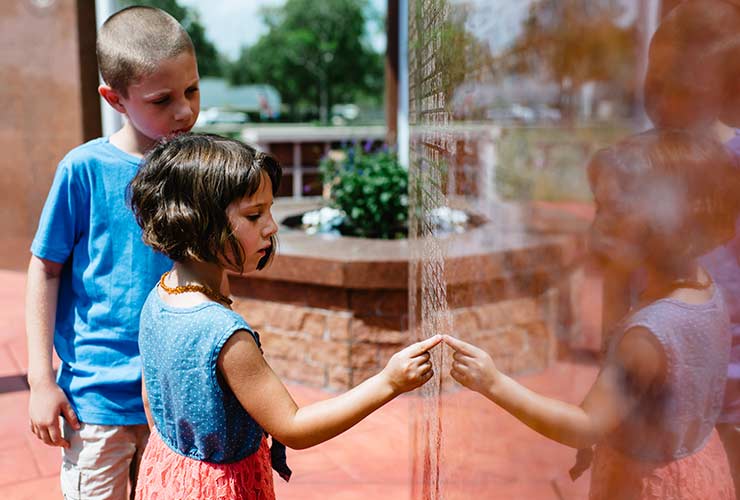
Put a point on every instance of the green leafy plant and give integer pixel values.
(371, 189)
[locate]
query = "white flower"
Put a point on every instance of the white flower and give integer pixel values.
(323, 220)
(447, 220)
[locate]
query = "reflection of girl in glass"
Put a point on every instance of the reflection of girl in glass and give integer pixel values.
(652, 410)
(693, 81)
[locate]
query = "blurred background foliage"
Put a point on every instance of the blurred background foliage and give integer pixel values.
(371, 189)
(316, 54)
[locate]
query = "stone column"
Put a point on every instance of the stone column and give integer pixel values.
(49, 105)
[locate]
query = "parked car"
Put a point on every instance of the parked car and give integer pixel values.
(217, 115)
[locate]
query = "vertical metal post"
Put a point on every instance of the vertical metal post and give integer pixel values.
(391, 72)
(112, 120)
(297, 171)
(402, 117)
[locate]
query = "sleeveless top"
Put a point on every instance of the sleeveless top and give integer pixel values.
(722, 264)
(196, 414)
(675, 419)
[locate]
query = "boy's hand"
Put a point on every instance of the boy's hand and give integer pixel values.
(472, 367)
(411, 367)
(46, 404)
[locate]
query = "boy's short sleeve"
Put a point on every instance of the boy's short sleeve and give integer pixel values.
(59, 225)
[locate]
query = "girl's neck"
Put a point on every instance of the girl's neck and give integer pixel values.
(695, 288)
(208, 280)
(200, 273)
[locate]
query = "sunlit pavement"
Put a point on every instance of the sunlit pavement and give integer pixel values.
(371, 461)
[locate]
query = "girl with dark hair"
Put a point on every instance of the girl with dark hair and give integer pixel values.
(652, 410)
(205, 201)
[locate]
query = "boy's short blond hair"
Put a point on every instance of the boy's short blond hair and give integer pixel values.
(132, 42)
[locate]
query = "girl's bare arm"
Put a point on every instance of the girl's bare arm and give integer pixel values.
(639, 363)
(264, 396)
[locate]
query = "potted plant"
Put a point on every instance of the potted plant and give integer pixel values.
(367, 194)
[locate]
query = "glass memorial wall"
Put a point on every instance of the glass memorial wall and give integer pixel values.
(509, 101)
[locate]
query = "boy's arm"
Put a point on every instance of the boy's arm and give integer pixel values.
(47, 401)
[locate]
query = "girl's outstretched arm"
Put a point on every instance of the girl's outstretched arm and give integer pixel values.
(639, 363)
(267, 400)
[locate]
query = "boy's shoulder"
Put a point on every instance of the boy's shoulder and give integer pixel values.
(97, 152)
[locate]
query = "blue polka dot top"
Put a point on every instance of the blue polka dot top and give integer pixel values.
(193, 409)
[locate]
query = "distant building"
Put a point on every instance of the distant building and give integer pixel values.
(222, 102)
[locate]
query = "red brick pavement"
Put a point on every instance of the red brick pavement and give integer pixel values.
(372, 460)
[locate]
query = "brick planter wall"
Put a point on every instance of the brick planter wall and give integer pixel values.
(331, 311)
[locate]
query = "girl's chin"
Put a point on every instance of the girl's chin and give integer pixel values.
(612, 260)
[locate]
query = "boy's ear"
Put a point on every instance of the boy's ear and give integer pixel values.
(112, 97)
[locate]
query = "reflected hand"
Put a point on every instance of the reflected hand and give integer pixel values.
(411, 367)
(472, 366)
(46, 404)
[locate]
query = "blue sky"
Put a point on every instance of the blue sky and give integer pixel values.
(233, 23)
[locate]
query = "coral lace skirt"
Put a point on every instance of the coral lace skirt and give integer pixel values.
(166, 475)
(705, 475)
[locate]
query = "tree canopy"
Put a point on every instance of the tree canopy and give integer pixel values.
(576, 41)
(315, 54)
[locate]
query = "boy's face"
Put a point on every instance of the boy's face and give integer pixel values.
(252, 223)
(165, 102)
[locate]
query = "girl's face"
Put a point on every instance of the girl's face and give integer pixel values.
(252, 223)
(617, 233)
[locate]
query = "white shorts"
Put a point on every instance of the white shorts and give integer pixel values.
(102, 461)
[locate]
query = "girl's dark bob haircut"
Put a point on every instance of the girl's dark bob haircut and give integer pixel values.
(180, 194)
(683, 185)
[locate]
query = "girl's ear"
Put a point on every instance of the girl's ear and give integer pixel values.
(112, 97)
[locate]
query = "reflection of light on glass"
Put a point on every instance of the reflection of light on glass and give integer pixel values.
(498, 24)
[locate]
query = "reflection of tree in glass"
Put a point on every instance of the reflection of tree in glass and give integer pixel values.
(454, 54)
(576, 41)
(461, 55)
(315, 54)
(210, 63)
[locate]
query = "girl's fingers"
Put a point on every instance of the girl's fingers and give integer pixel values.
(424, 345)
(460, 357)
(460, 346)
(456, 375)
(461, 368)
(463, 361)
(425, 366)
(421, 360)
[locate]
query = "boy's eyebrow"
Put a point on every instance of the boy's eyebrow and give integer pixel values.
(166, 91)
(157, 93)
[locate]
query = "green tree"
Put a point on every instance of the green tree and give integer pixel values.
(576, 41)
(315, 54)
(210, 62)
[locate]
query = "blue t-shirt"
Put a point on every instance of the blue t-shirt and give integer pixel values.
(107, 273)
(196, 414)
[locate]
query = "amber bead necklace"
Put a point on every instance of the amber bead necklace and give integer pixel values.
(205, 290)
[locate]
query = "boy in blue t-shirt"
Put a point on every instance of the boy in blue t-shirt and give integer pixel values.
(90, 272)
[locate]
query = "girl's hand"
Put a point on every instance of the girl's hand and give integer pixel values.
(411, 367)
(472, 367)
